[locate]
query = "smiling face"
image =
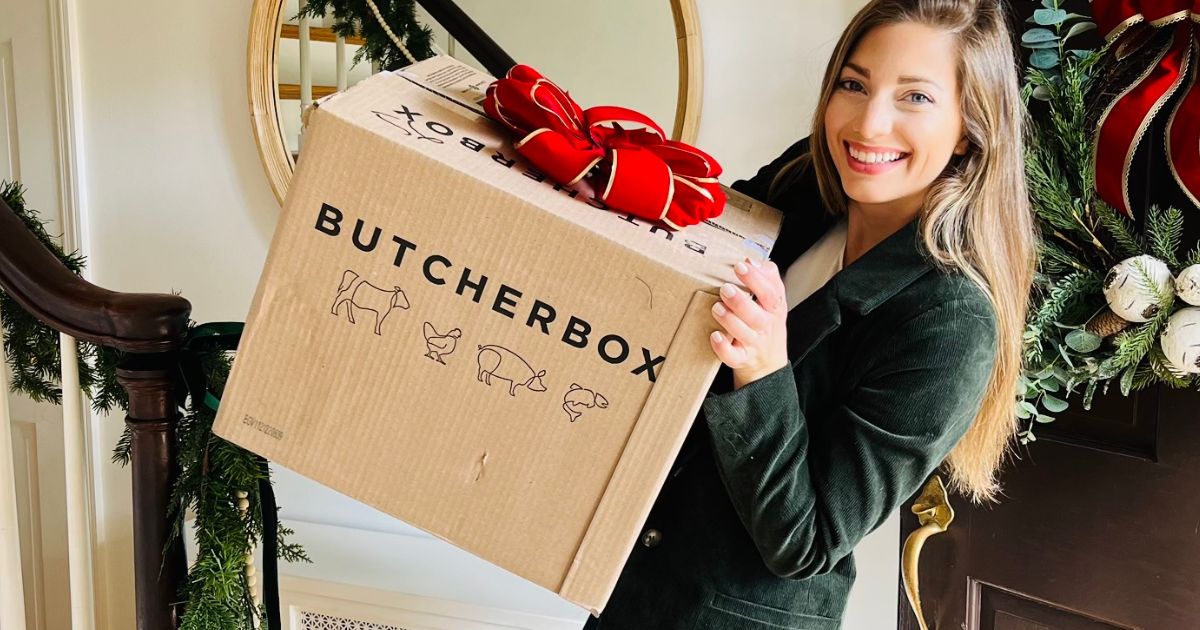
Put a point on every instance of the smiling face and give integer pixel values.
(893, 120)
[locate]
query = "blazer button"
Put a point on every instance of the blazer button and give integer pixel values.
(651, 538)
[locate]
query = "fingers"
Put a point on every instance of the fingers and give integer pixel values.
(735, 325)
(747, 316)
(764, 282)
(729, 354)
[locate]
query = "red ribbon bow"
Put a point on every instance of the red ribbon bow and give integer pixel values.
(1124, 122)
(640, 171)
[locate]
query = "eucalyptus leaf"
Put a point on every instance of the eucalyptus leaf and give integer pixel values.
(1049, 385)
(1127, 380)
(1050, 4)
(1045, 44)
(1083, 341)
(1049, 17)
(1025, 409)
(1038, 35)
(1107, 369)
(1043, 418)
(1079, 27)
(1044, 59)
(1054, 405)
(1089, 394)
(1041, 93)
(1062, 350)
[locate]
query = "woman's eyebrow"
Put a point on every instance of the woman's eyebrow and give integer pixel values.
(904, 79)
(859, 69)
(912, 79)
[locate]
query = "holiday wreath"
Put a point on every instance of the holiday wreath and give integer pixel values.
(1113, 301)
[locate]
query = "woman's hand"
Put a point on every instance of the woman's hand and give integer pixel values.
(754, 343)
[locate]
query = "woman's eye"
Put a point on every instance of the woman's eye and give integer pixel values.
(850, 85)
(918, 97)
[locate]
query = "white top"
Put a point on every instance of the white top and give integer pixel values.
(816, 265)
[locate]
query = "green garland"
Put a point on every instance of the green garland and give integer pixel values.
(212, 471)
(1082, 238)
(355, 18)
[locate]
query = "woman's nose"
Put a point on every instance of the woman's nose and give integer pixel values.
(875, 120)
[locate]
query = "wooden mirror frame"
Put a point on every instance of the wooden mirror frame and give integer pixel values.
(263, 49)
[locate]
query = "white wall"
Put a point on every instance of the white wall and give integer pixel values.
(178, 200)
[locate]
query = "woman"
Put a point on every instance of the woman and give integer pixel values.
(840, 395)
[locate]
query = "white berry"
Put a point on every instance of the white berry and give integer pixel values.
(1126, 291)
(1180, 340)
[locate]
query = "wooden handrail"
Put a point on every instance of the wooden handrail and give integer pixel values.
(317, 34)
(462, 28)
(42, 285)
(148, 327)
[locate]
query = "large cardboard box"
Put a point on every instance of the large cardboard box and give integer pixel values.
(442, 333)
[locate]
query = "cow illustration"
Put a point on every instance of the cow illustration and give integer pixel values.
(577, 399)
(501, 362)
(353, 291)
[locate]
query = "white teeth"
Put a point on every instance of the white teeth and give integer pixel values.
(874, 158)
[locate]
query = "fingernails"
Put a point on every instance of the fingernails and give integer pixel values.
(755, 263)
(719, 308)
(741, 268)
(728, 290)
(717, 336)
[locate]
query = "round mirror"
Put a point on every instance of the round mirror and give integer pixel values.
(641, 54)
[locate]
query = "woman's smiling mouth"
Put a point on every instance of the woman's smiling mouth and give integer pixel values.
(872, 160)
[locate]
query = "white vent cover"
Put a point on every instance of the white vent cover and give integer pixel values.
(318, 621)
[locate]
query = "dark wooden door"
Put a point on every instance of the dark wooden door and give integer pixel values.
(1099, 525)
(1099, 528)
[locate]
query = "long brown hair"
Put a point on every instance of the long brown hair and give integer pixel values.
(976, 217)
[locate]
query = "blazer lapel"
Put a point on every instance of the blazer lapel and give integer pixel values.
(880, 273)
(811, 320)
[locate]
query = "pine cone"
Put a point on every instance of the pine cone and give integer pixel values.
(1107, 324)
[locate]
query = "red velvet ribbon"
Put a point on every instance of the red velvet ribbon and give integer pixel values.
(1123, 124)
(632, 163)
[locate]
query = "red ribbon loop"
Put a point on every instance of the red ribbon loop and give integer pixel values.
(1125, 121)
(636, 167)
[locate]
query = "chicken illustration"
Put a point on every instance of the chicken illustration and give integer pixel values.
(440, 345)
(577, 399)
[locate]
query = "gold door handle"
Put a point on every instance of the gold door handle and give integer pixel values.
(934, 513)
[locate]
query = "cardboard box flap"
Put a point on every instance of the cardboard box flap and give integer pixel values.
(417, 117)
(651, 450)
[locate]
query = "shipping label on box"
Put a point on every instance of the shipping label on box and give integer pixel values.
(444, 334)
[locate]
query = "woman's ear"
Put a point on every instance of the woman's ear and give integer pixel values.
(961, 147)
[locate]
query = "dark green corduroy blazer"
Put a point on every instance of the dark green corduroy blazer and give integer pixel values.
(779, 480)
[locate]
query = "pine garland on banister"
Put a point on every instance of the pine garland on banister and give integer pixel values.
(355, 18)
(1105, 303)
(218, 480)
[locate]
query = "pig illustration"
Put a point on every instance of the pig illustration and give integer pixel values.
(353, 291)
(504, 363)
(578, 399)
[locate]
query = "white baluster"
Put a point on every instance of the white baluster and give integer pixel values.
(342, 72)
(75, 451)
(12, 594)
(305, 73)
